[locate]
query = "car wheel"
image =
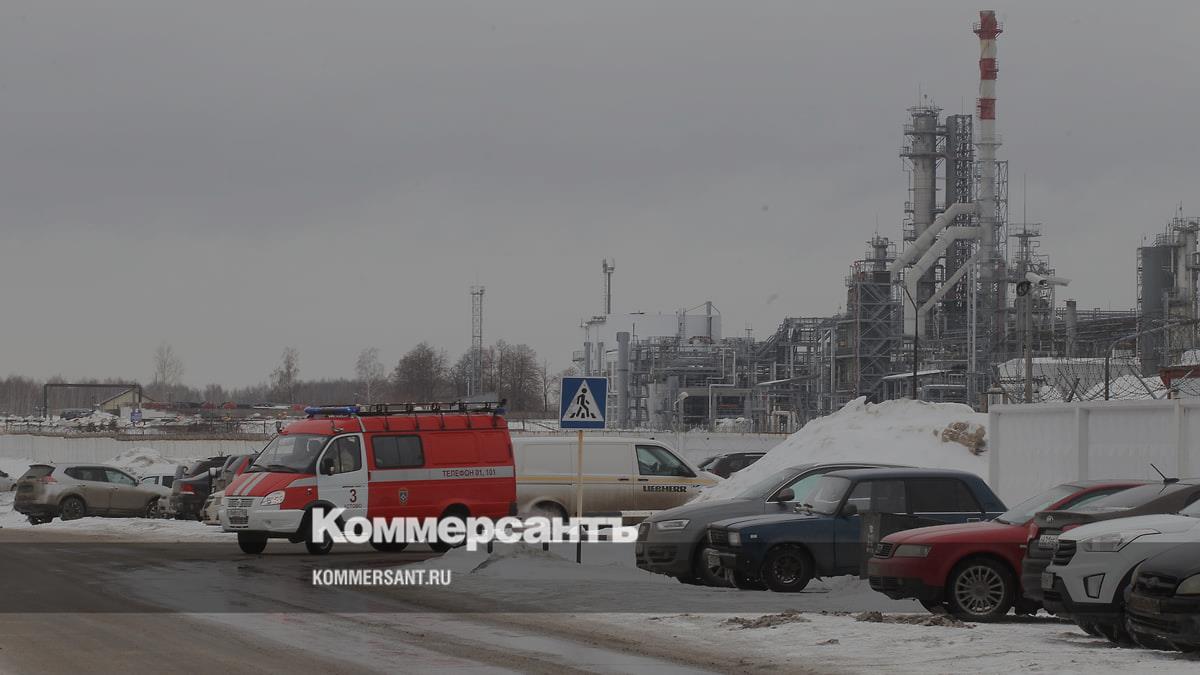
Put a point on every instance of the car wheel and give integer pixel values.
(38, 520)
(705, 574)
(548, 510)
(744, 583)
(452, 512)
(152, 509)
(980, 590)
(1185, 647)
(1115, 633)
(389, 547)
(1089, 628)
(251, 544)
(72, 508)
(787, 569)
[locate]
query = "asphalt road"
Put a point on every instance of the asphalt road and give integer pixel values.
(81, 605)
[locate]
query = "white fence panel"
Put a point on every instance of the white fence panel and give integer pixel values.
(1034, 447)
(102, 449)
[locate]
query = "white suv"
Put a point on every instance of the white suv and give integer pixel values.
(1093, 565)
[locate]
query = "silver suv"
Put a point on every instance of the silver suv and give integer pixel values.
(73, 491)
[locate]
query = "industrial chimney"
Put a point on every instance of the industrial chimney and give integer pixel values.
(987, 29)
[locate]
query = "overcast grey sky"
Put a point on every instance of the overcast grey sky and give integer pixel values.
(234, 177)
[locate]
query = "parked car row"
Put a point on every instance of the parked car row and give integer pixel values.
(72, 491)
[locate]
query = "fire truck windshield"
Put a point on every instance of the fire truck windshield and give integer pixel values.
(290, 453)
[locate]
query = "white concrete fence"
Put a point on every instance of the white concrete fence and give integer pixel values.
(1034, 447)
(103, 448)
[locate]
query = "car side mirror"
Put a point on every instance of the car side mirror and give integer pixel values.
(327, 468)
(787, 495)
(849, 510)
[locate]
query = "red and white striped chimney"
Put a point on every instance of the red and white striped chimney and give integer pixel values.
(985, 109)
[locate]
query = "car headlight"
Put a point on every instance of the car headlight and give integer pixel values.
(678, 524)
(1109, 543)
(735, 539)
(1190, 586)
(912, 551)
(272, 499)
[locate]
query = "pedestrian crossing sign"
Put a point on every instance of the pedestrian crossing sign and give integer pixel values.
(582, 402)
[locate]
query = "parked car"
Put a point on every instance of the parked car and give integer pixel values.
(189, 491)
(235, 466)
(620, 474)
(210, 514)
(164, 480)
(1164, 497)
(973, 569)
(1163, 602)
(784, 552)
(672, 542)
(7, 483)
(72, 491)
(730, 463)
(1094, 564)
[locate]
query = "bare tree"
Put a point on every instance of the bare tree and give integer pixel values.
(421, 374)
(370, 373)
(168, 369)
(284, 378)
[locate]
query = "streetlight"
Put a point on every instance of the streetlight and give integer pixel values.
(916, 337)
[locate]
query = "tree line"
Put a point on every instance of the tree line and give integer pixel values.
(423, 374)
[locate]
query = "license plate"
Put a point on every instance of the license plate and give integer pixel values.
(1144, 605)
(238, 516)
(1047, 581)
(1047, 540)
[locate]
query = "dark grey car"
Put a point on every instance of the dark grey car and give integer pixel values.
(671, 542)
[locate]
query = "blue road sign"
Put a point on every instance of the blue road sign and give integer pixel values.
(582, 402)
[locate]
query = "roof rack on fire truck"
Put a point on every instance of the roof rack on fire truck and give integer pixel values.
(380, 409)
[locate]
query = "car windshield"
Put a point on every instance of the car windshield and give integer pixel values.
(1132, 498)
(1192, 510)
(824, 498)
(290, 453)
(1023, 512)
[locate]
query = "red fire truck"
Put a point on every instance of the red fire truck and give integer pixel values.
(385, 460)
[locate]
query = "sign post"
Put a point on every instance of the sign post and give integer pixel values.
(582, 405)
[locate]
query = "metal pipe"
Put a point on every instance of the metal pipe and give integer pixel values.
(948, 284)
(623, 380)
(927, 261)
(922, 242)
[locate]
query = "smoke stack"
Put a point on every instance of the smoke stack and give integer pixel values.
(987, 29)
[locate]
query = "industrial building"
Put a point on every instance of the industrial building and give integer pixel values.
(946, 311)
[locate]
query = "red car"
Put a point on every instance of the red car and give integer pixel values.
(973, 569)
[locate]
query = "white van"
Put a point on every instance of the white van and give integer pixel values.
(619, 474)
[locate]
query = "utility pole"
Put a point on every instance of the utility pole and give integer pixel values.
(475, 384)
(916, 338)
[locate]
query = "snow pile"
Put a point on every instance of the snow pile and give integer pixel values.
(143, 462)
(96, 420)
(15, 468)
(893, 432)
(733, 424)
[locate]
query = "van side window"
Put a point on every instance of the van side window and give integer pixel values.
(397, 452)
(658, 461)
(343, 455)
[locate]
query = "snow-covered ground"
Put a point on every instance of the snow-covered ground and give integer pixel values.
(892, 432)
(839, 623)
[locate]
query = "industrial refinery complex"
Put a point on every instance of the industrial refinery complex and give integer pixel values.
(962, 305)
